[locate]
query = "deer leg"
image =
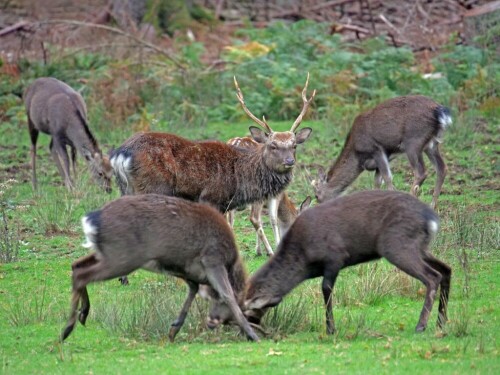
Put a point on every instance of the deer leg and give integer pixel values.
(219, 280)
(230, 218)
(383, 168)
(78, 293)
(327, 289)
(34, 137)
(377, 183)
(177, 324)
(89, 269)
(273, 217)
(445, 272)
(256, 220)
(73, 161)
(70, 325)
(85, 306)
(418, 269)
(432, 152)
(59, 154)
(418, 166)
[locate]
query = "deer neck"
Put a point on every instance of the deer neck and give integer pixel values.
(343, 172)
(281, 274)
(238, 280)
(82, 139)
(256, 181)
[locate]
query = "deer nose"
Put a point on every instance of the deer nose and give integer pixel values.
(289, 162)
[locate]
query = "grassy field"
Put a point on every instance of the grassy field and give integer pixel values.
(376, 308)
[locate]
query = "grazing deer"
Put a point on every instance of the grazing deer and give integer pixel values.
(56, 109)
(211, 171)
(286, 211)
(343, 232)
(165, 235)
(406, 124)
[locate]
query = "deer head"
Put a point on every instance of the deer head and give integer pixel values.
(279, 147)
(100, 169)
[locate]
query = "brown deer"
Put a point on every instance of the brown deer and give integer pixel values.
(282, 211)
(56, 109)
(165, 235)
(210, 171)
(346, 231)
(406, 124)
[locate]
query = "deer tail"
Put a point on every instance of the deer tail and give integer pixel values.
(121, 161)
(431, 222)
(91, 224)
(443, 118)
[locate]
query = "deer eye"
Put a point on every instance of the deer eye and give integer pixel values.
(274, 146)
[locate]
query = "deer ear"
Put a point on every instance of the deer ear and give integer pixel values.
(302, 135)
(263, 302)
(86, 154)
(305, 204)
(321, 173)
(206, 292)
(258, 134)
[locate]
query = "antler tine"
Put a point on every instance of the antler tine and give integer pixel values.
(305, 107)
(239, 95)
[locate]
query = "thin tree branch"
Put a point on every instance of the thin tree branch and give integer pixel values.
(119, 32)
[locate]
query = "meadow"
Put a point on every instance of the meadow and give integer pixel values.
(375, 307)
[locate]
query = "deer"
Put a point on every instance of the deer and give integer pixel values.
(344, 232)
(212, 172)
(161, 234)
(407, 124)
(286, 211)
(54, 108)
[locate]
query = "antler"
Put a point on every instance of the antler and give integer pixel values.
(306, 105)
(262, 123)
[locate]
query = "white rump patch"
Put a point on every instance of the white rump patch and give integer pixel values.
(90, 232)
(445, 120)
(121, 166)
(433, 226)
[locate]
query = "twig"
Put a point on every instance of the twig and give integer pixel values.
(21, 25)
(388, 23)
(120, 32)
(315, 8)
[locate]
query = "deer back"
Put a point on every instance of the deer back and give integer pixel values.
(176, 234)
(394, 124)
(339, 233)
(52, 105)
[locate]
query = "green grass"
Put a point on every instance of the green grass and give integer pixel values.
(376, 308)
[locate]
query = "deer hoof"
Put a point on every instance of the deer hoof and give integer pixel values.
(172, 333)
(420, 328)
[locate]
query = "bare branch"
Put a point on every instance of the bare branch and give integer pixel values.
(120, 32)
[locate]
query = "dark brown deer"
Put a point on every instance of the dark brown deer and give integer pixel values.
(406, 124)
(343, 232)
(165, 235)
(282, 211)
(56, 109)
(211, 171)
